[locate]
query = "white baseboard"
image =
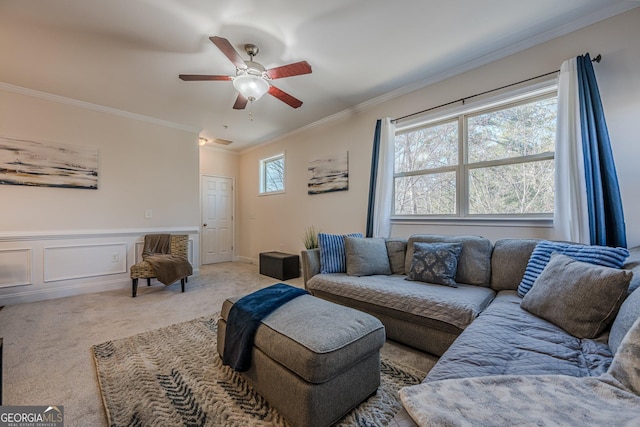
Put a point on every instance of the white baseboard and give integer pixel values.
(63, 291)
(73, 290)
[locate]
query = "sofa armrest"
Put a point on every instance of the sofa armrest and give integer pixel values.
(310, 264)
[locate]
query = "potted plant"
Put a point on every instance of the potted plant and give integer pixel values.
(310, 238)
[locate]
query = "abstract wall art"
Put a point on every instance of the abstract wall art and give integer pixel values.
(33, 163)
(328, 174)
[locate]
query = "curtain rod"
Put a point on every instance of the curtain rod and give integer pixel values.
(598, 58)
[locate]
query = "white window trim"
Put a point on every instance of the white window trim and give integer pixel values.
(262, 171)
(477, 104)
(445, 114)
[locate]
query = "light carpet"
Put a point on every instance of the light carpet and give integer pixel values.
(173, 376)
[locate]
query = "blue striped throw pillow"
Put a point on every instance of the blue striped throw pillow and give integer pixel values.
(598, 255)
(332, 255)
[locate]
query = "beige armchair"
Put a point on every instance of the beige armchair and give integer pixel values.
(164, 257)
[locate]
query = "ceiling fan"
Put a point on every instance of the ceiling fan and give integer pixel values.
(252, 80)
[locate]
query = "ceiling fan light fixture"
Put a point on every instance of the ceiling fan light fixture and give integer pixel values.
(251, 86)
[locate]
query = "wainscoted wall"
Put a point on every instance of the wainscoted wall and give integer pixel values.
(38, 266)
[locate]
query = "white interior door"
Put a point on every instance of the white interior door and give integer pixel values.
(217, 219)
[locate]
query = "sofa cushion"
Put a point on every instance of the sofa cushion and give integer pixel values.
(332, 257)
(581, 298)
(629, 312)
(506, 339)
(474, 264)
(366, 256)
(509, 262)
(396, 250)
(435, 263)
(454, 306)
(599, 255)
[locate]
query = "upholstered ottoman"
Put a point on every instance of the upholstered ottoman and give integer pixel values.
(313, 360)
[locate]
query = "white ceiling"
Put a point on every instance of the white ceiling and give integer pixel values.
(127, 54)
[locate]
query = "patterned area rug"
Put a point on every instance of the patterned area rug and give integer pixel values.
(174, 377)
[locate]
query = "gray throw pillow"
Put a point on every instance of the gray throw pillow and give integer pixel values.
(366, 256)
(579, 297)
(435, 263)
(396, 249)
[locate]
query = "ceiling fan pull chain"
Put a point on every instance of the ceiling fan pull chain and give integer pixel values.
(251, 110)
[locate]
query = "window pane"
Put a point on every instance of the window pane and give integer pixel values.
(524, 188)
(427, 148)
(517, 131)
(432, 194)
(274, 175)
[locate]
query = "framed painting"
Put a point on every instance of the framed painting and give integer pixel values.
(329, 174)
(33, 163)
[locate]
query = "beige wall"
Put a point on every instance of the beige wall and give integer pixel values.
(278, 221)
(218, 162)
(141, 166)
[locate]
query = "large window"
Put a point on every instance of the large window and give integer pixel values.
(272, 175)
(490, 162)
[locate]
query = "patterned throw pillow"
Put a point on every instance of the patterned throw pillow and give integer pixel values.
(598, 255)
(332, 255)
(435, 263)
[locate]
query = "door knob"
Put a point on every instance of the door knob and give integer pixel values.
(204, 225)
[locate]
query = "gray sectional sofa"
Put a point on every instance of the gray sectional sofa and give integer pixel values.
(479, 328)
(426, 316)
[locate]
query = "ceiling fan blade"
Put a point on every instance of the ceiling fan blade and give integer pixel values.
(290, 70)
(228, 50)
(241, 102)
(284, 97)
(197, 77)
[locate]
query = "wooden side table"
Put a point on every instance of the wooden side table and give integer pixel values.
(280, 265)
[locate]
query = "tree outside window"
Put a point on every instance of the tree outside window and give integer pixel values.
(493, 162)
(272, 174)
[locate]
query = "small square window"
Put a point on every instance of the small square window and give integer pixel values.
(272, 175)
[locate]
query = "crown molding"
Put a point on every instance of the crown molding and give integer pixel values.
(528, 42)
(95, 107)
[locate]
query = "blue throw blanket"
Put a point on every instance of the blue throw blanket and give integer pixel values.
(244, 318)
